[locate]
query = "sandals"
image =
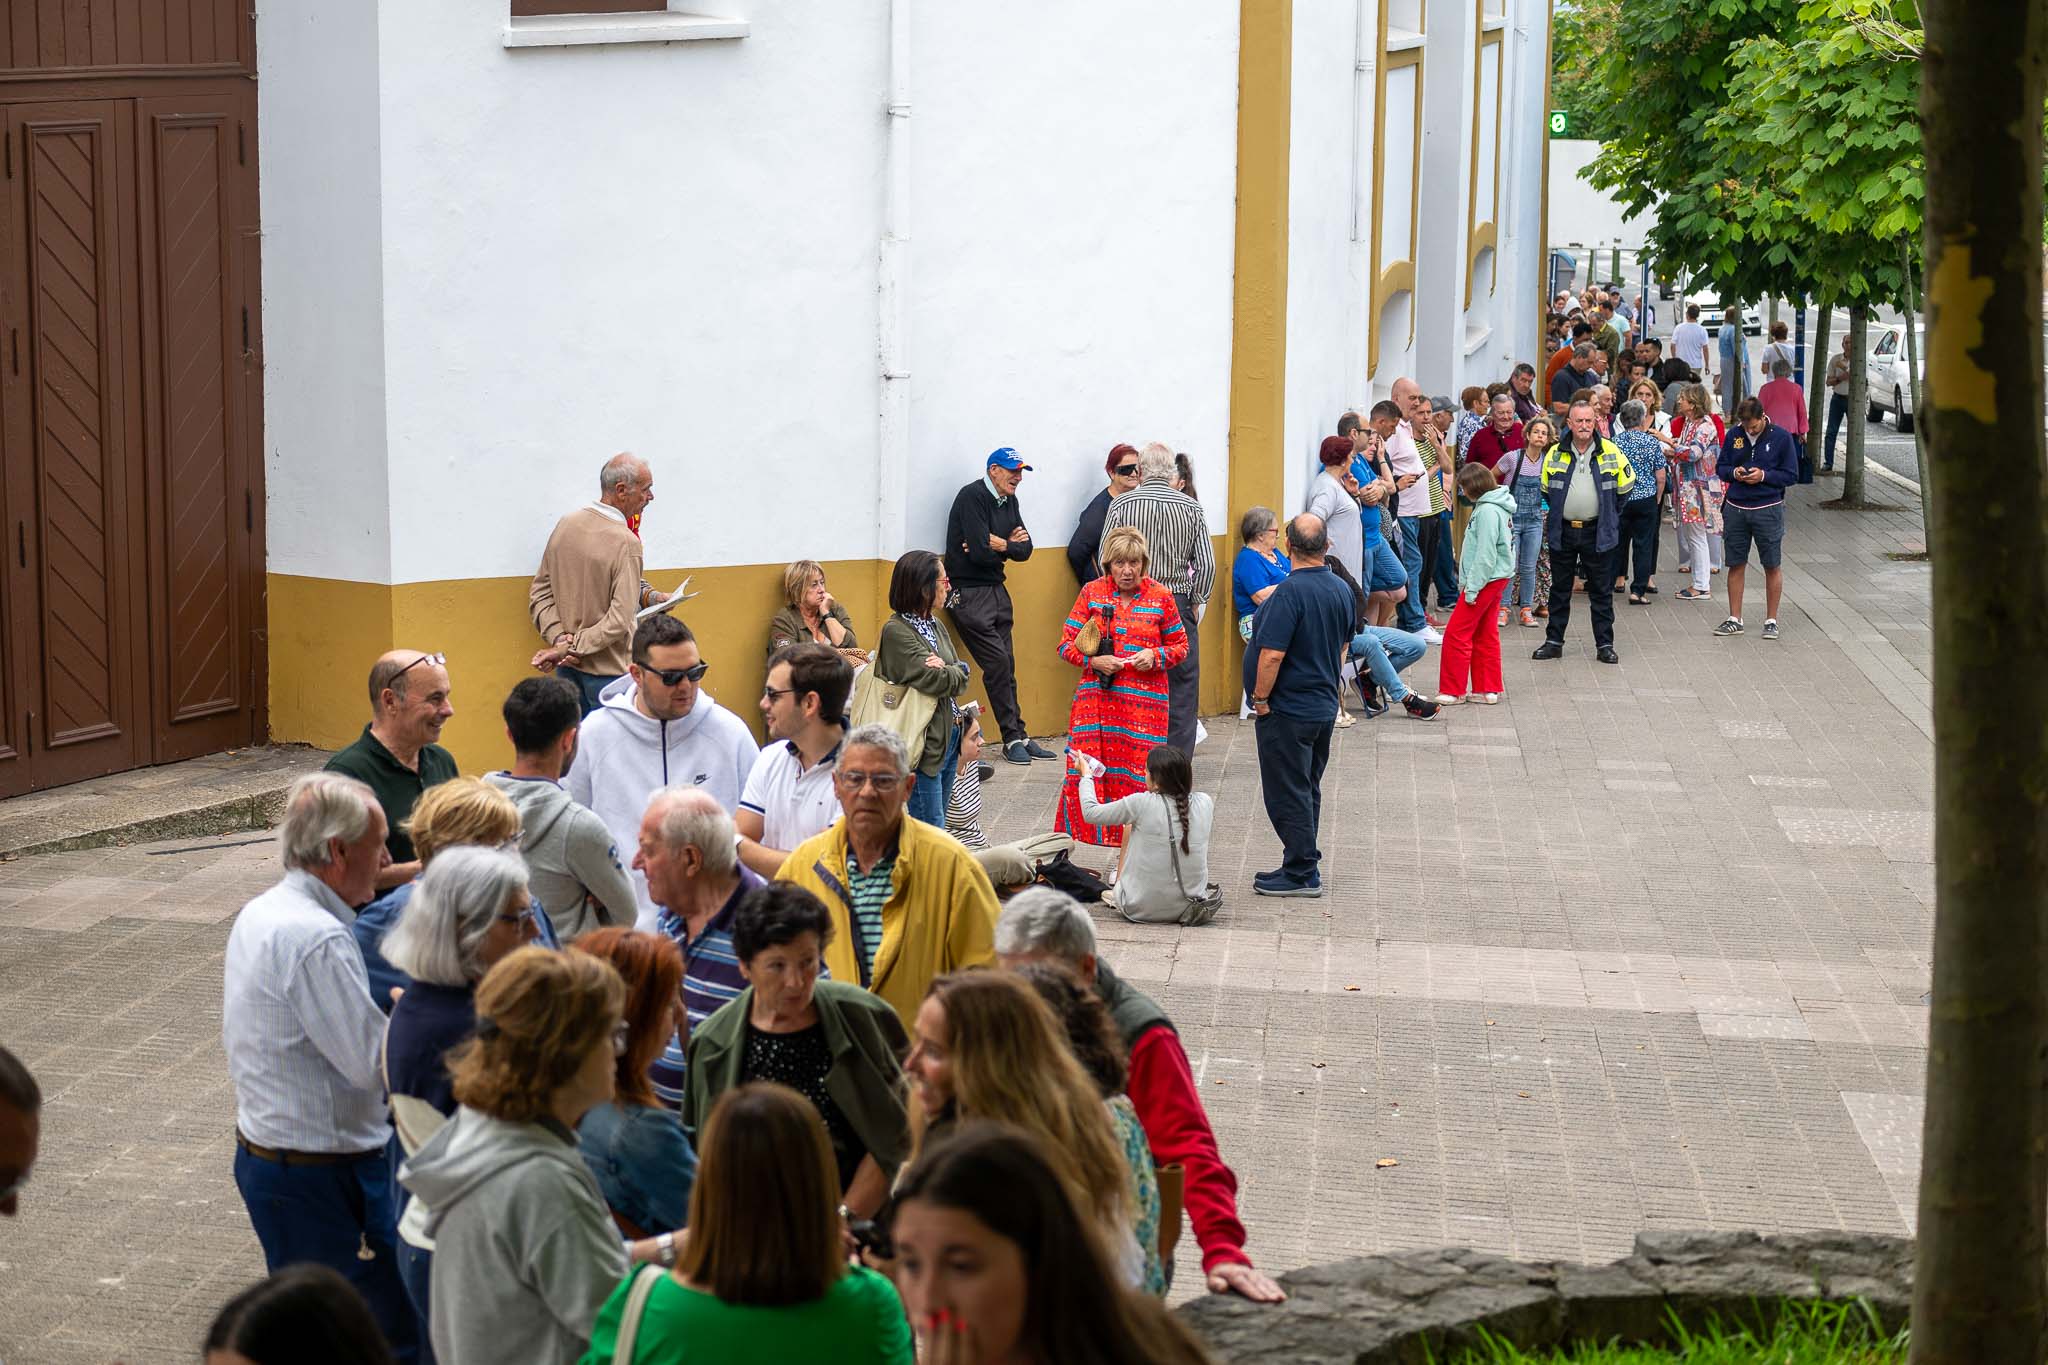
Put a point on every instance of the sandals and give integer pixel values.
(1636, 599)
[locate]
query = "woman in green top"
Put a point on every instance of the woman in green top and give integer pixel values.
(810, 614)
(763, 1274)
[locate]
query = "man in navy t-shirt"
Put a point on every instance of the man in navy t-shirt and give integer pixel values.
(1291, 674)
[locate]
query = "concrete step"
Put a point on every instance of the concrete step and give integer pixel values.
(241, 789)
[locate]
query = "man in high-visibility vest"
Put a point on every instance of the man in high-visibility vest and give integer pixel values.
(1584, 482)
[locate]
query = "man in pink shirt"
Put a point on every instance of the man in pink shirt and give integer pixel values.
(1413, 505)
(1785, 404)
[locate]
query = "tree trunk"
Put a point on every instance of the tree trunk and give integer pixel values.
(1859, 403)
(1982, 1267)
(1919, 405)
(1817, 398)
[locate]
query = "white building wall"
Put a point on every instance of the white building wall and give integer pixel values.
(1074, 182)
(1581, 214)
(669, 249)
(323, 374)
(1329, 226)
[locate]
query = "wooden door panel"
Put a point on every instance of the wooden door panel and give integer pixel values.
(75, 360)
(199, 633)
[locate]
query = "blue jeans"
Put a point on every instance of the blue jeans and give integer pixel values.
(1527, 530)
(1838, 412)
(929, 797)
(588, 685)
(1384, 653)
(1409, 610)
(326, 1214)
(1446, 565)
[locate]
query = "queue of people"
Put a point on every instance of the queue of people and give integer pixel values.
(663, 1037)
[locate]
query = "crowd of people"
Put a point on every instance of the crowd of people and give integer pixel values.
(662, 1045)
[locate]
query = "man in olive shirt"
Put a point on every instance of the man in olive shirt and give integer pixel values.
(396, 754)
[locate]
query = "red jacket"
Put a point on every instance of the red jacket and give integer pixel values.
(1162, 1090)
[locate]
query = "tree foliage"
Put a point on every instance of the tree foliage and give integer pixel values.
(1580, 33)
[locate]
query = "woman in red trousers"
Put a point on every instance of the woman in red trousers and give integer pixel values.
(1471, 650)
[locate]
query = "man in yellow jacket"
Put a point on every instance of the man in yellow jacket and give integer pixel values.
(908, 901)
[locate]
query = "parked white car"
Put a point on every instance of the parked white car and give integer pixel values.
(1891, 384)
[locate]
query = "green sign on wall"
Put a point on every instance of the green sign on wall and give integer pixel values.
(1560, 123)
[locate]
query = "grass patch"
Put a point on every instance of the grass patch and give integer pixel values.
(1804, 1334)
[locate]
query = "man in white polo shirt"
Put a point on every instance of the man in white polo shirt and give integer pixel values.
(789, 796)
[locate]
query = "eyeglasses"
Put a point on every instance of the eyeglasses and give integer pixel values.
(883, 783)
(437, 660)
(769, 694)
(622, 1036)
(1124, 471)
(671, 676)
(523, 918)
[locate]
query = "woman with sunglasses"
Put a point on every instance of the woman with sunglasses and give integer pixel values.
(1122, 468)
(471, 910)
(525, 1252)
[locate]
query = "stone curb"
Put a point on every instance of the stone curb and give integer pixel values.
(1409, 1307)
(257, 811)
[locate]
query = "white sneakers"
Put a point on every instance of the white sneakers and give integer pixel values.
(1430, 635)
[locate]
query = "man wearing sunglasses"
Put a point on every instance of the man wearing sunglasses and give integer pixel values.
(657, 727)
(397, 755)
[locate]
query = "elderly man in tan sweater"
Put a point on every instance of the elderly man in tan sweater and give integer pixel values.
(589, 586)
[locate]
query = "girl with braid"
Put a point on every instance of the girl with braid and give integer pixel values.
(1165, 836)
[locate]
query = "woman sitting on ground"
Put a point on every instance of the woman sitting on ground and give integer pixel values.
(1092, 1036)
(810, 614)
(632, 1142)
(992, 1196)
(984, 1046)
(830, 1041)
(525, 1252)
(1123, 633)
(470, 911)
(763, 1273)
(1165, 836)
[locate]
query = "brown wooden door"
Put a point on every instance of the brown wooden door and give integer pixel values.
(202, 588)
(70, 414)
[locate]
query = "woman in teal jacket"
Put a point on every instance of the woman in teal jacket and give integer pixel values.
(1471, 654)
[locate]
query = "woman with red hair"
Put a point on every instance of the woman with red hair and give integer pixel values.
(633, 1145)
(1083, 545)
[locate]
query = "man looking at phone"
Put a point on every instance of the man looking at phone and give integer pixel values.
(1758, 463)
(1384, 580)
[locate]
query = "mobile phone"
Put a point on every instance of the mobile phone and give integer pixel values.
(872, 1238)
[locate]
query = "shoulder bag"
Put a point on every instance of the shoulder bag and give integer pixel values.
(1199, 909)
(644, 1280)
(898, 706)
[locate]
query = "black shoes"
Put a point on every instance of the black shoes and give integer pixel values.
(1418, 708)
(1607, 655)
(1037, 750)
(1016, 752)
(1549, 649)
(984, 771)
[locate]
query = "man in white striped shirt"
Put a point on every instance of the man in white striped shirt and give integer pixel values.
(303, 1041)
(1182, 561)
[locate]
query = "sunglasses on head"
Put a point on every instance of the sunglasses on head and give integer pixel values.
(671, 676)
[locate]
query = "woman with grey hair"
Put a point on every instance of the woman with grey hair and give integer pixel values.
(1259, 566)
(1639, 510)
(470, 908)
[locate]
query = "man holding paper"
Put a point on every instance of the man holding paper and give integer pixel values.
(589, 587)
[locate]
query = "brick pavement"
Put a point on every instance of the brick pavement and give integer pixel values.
(1642, 947)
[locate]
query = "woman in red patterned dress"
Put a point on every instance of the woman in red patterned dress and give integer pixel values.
(1120, 703)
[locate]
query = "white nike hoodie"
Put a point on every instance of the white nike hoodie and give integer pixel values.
(623, 757)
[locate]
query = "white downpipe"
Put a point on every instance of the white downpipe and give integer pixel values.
(893, 285)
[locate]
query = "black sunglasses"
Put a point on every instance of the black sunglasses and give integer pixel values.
(1124, 471)
(671, 676)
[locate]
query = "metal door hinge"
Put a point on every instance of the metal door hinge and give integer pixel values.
(241, 143)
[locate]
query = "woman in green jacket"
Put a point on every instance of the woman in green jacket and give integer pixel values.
(830, 1041)
(1471, 653)
(917, 649)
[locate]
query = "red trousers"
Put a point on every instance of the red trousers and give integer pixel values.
(1472, 643)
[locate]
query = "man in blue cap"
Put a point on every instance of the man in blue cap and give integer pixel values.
(984, 532)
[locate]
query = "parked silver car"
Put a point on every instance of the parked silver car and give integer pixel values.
(1891, 384)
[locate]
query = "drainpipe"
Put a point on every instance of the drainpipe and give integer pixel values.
(892, 287)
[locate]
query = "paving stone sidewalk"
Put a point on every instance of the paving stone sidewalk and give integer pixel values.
(1642, 947)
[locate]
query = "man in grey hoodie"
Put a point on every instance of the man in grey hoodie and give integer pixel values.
(572, 861)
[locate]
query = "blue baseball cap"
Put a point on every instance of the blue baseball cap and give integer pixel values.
(1006, 458)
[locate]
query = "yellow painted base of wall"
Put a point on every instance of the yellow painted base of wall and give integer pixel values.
(325, 633)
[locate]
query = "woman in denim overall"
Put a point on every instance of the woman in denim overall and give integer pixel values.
(1519, 471)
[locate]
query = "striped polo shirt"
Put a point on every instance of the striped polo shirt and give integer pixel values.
(711, 976)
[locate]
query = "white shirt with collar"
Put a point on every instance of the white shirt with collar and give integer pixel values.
(793, 802)
(608, 510)
(302, 1035)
